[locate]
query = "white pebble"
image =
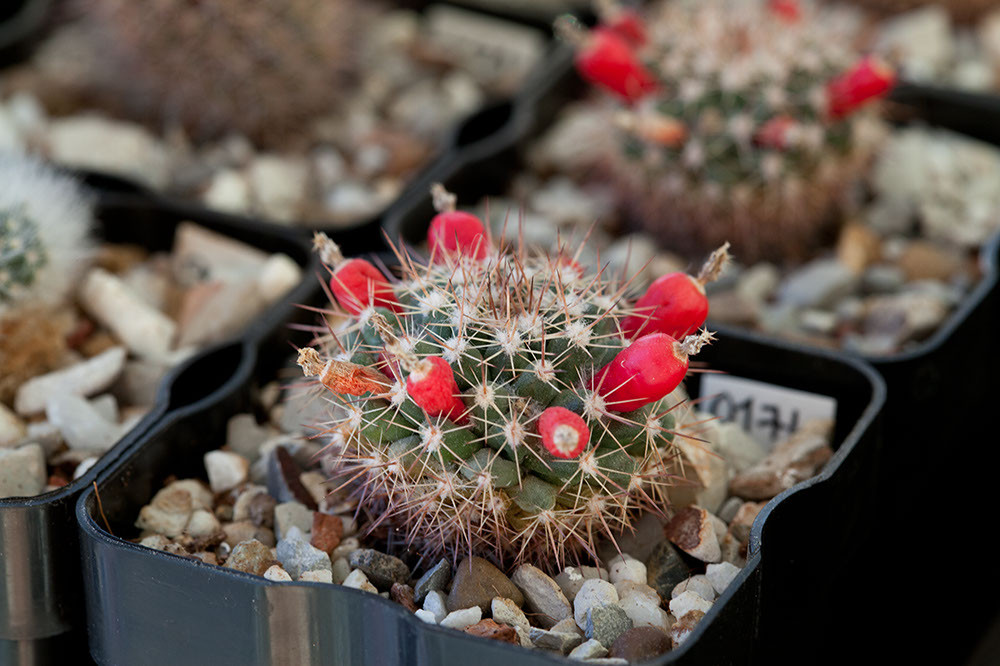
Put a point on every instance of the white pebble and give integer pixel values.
(341, 570)
(82, 426)
(279, 275)
(12, 429)
(144, 329)
(226, 470)
(426, 616)
(84, 379)
(628, 588)
(644, 611)
(277, 574)
(688, 601)
(436, 603)
(699, 584)
(625, 567)
(202, 523)
(461, 619)
(317, 576)
(594, 592)
(721, 575)
(84, 467)
(359, 581)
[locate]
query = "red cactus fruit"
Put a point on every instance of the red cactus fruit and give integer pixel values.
(867, 80)
(564, 433)
(431, 384)
(646, 370)
(787, 10)
(625, 22)
(453, 232)
(606, 59)
(774, 133)
(356, 284)
(675, 303)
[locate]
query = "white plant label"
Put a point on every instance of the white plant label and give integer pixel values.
(768, 412)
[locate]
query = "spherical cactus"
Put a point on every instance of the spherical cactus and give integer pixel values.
(754, 130)
(45, 243)
(214, 66)
(501, 410)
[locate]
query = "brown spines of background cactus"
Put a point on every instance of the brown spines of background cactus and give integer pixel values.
(259, 67)
(963, 11)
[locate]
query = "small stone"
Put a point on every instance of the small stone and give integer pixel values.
(742, 522)
(283, 478)
(245, 437)
(688, 601)
(590, 649)
(505, 611)
(244, 530)
(241, 506)
(84, 379)
(22, 471)
(326, 531)
(315, 484)
(317, 576)
(292, 514)
(593, 593)
(278, 185)
(297, 556)
(436, 603)
(435, 578)
(226, 470)
(403, 595)
(542, 595)
(560, 641)
(721, 575)
(692, 531)
(277, 277)
(699, 584)
(359, 581)
(684, 625)
(276, 573)
(382, 570)
(93, 142)
(492, 630)
(350, 201)
(796, 459)
(665, 568)
(341, 570)
(627, 588)
(82, 427)
(346, 547)
(640, 644)
(645, 535)
(252, 557)
(462, 619)
(202, 524)
(729, 509)
(12, 429)
(477, 582)
(571, 579)
(426, 616)
(817, 284)
(625, 567)
(228, 191)
(924, 260)
(645, 611)
(606, 623)
(858, 247)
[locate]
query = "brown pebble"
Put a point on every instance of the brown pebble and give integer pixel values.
(327, 531)
(403, 595)
(477, 582)
(261, 510)
(291, 472)
(490, 629)
(683, 627)
(640, 644)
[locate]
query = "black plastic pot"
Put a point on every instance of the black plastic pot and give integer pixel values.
(21, 21)
(145, 606)
(41, 593)
(952, 372)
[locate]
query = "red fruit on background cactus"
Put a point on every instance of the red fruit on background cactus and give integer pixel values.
(454, 232)
(605, 58)
(431, 384)
(775, 132)
(625, 22)
(787, 10)
(867, 80)
(564, 433)
(675, 303)
(646, 370)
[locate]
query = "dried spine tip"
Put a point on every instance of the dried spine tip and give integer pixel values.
(328, 251)
(715, 265)
(310, 362)
(342, 377)
(692, 344)
(444, 201)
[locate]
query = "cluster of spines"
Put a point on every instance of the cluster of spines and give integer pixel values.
(22, 254)
(732, 106)
(499, 402)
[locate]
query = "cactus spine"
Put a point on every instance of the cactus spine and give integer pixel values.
(490, 413)
(752, 132)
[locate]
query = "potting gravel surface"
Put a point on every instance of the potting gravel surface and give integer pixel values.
(419, 74)
(900, 265)
(77, 376)
(270, 504)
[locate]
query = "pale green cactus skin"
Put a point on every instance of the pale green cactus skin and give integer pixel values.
(22, 254)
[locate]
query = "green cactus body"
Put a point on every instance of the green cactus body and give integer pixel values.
(520, 336)
(22, 254)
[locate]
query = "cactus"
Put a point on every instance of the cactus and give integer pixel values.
(964, 11)
(45, 243)
(496, 408)
(741, 121)
(214, 66)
